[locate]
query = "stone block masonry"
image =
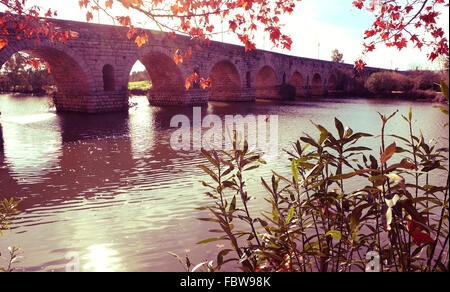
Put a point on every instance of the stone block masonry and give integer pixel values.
(92, 71)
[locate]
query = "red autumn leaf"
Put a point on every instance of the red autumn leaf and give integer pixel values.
(188, 54)
(205, 84)
(420, 238)
(3, 43)
(36, 63)
(89, 16)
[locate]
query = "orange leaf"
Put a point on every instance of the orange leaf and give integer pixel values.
(74, 34)
(178, 58)
(108, 4)
(3, 43)
(141, 39)
(205, 84)
(124, 20)
(188, 84)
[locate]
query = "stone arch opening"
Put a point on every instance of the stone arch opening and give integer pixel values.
(225, 82)
(298, 82)
(69, 77)
(109, 81)
(166, 86)
(316, 85)
(266, 83)
(332, 83)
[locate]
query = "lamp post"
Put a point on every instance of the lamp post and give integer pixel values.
(318, 51)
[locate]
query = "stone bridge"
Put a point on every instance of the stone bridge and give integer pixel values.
(92, 71)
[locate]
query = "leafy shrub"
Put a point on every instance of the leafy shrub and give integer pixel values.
(319, 221)
(387, 82)
(8, 209)
(425, 80)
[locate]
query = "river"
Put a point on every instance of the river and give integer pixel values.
(109, 187)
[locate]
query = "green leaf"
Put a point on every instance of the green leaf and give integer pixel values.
(295, 170)
(211, 240)
(335, 234)
(291, 215)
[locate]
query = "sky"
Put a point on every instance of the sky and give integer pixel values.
(334, 24)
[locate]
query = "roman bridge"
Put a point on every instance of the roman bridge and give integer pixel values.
(92, 71)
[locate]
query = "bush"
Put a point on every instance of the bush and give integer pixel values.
(389, 82)
(8, 209)
(319, 221)
(425, 80)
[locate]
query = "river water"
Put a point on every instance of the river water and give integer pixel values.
(110, 189)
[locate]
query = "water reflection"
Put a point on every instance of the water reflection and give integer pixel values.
(32, 146)
(110, 188)
(101, 258)
(76, 127)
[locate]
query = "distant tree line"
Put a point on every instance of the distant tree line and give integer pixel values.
(139, 76)
(17, 76)
(416, 84)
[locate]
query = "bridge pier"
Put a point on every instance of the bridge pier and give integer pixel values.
(92, 103)
(192, 97)
(248, 94)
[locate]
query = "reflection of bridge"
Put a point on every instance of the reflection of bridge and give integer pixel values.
(92, 70)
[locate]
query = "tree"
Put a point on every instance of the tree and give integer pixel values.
(199, 19)
(30, 22)
(402, 22)
(139, 76)
(14, 70)
(337, 57)
(22, 76)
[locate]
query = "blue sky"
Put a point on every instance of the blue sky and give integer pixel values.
(332, 23)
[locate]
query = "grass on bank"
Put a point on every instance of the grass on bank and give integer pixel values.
(140, 85)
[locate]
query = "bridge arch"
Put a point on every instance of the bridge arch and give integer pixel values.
(332, 82)
(316, 85)
(266, 83)
(225, 82)
(298, 82)
(168, 85)
(71, 74)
